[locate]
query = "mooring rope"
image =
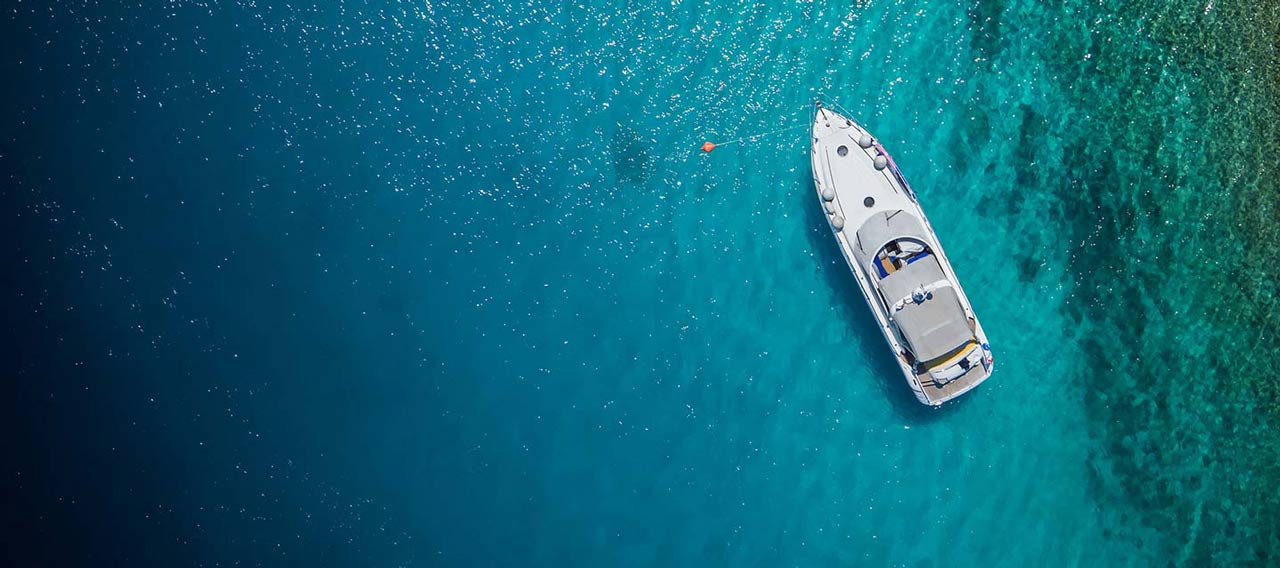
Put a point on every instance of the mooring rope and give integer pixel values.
(709, 145)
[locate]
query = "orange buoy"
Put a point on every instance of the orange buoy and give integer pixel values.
(708, 146)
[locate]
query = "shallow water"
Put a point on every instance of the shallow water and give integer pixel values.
(451, 284)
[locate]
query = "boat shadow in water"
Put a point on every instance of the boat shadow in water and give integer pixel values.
(852, 308)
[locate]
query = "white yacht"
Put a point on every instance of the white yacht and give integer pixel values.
(897, 260)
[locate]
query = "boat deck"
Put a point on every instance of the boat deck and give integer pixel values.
(960, 384)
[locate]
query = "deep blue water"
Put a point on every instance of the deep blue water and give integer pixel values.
(450, 284)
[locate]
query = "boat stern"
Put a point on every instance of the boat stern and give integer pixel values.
(961, 375)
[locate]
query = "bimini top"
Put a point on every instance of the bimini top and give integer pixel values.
(882, 228)
(921, 300)
(935, 326)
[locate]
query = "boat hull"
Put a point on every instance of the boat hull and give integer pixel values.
(858, 184)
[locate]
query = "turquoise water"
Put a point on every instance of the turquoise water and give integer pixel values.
(444, 283)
